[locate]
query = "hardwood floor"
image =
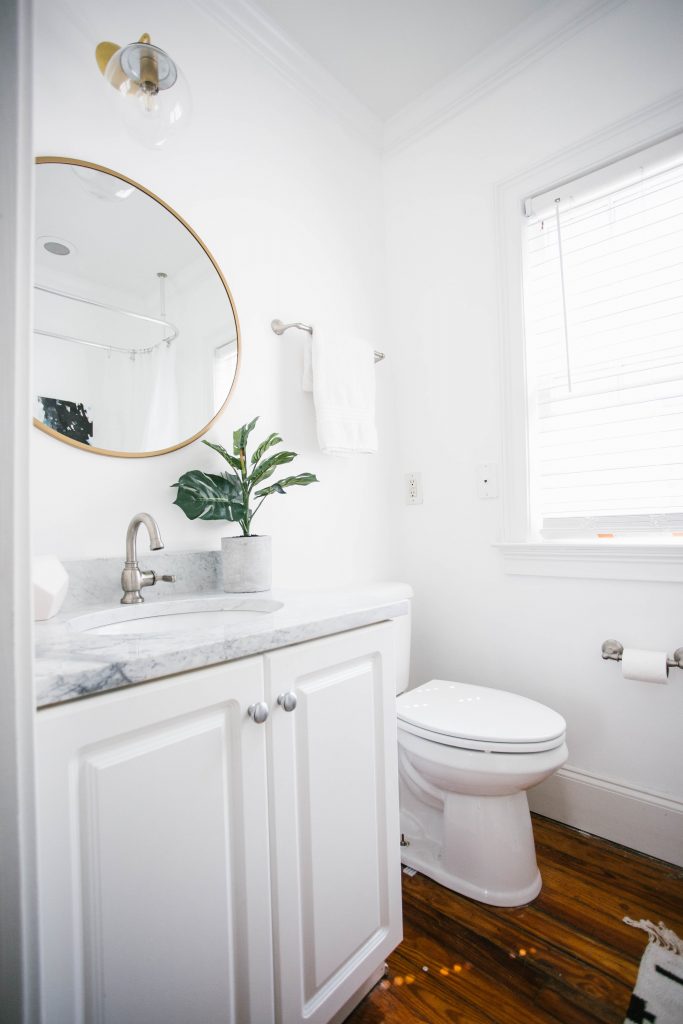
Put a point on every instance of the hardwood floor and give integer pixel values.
(566, 958)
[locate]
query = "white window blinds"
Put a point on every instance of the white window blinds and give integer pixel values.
(603, 297)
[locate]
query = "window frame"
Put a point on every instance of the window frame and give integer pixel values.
(524, 552)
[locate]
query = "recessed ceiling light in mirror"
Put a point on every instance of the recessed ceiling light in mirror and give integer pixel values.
(55, 246)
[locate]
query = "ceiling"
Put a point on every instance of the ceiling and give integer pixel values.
(387, 53)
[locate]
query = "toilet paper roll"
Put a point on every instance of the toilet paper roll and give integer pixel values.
(648, 666)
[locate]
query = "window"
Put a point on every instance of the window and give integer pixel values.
(224, 370)
(603, 312)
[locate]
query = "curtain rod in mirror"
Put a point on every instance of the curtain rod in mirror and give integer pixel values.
(279, 328)
(171, 328)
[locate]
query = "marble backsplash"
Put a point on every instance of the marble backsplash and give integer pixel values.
(97, 581)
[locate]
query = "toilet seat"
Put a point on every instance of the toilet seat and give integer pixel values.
(479, 718)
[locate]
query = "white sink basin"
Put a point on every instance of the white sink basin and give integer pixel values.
(171, 616)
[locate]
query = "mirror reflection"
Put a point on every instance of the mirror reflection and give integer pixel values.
(136, 340)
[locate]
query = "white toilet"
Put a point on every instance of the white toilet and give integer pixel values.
(467, 755)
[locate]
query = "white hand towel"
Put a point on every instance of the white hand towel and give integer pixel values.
(344, 395)
(307, 375)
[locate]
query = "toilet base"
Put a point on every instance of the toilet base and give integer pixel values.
(425, 862)
(480, 846)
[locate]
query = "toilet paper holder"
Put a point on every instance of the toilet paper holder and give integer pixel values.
(612, 650)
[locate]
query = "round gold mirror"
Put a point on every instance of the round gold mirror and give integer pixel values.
(136, 344)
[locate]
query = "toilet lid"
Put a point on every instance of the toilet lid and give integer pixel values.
(479, 718)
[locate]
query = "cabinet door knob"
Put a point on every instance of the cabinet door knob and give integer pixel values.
(287, 701)
(259, 712)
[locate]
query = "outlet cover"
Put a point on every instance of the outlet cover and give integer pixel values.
(413, 488)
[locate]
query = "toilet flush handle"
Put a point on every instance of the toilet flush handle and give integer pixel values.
(287, 701)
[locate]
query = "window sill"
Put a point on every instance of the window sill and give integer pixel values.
(610, 560)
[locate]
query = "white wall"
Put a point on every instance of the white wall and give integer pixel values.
(289, 203)
(537, 636)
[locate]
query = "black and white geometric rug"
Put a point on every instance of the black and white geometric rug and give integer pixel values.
(658, 995)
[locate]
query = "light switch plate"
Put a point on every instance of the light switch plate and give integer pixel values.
(488, 480)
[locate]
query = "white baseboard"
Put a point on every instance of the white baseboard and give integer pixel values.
(648, 822)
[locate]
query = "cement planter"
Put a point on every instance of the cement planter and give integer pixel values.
(247, 564)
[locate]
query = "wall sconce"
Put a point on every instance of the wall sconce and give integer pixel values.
(156, 99)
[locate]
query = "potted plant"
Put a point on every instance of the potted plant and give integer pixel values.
(230, 496)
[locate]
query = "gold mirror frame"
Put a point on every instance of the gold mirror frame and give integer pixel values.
(182, 444)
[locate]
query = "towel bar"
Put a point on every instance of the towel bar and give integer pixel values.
(280, 328)
(612, 650)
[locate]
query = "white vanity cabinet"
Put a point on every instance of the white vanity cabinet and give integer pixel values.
(196, 866)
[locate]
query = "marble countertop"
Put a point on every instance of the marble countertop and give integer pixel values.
(72, 663)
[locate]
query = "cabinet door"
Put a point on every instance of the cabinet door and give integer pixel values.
(333, 791)
(153, 854)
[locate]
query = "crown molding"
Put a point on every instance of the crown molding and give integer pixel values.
(252, 28)
(533, 39)
(81, 20)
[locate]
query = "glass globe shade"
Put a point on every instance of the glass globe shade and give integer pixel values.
(155, 100)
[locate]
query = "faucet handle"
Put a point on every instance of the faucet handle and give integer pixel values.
(166, 579)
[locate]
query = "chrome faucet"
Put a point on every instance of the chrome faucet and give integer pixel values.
(133, 579)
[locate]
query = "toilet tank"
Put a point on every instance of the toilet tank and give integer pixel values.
(389, 593)
(402, 633)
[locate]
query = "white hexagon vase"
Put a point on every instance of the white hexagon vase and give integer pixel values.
(50, 584)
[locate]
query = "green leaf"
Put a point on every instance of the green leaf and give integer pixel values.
(239, 438)
(208, 496)
(275, 488)
(230, 459)
(264, 446)
(302, 480)
(268, 467)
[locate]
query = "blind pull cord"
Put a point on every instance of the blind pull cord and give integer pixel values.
(564, 297)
